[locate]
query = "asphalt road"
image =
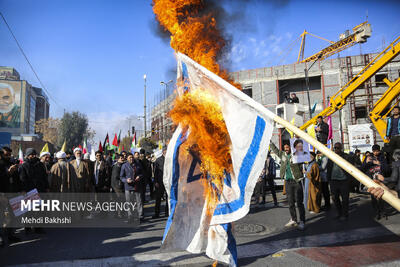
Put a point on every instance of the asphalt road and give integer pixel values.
(261, 237)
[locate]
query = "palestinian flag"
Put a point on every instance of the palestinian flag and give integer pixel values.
(106, 143)
(119, 137)
(114, 144)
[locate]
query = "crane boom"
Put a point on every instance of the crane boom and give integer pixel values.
(360, 34)
(338, 100)
(383, 107)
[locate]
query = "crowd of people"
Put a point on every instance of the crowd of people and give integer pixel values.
(129, 176)
(313, 185)
(126, 177)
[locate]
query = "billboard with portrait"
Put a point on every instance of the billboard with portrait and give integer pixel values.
(300, 150)
(10, 104)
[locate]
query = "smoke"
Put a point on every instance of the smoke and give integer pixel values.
(235, 20)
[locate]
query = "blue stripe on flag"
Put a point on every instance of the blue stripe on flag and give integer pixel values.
(245, 169)
(228, 179)
(231, 241)
(185, 77)
(184, 71)
(173, 196)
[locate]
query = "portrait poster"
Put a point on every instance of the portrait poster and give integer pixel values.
(10, 104)
(300, 150)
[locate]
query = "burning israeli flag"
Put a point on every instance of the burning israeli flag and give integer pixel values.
(202, 208)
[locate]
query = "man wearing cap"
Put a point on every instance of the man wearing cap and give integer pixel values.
(32, 174)
(80, 179)
(60, 174)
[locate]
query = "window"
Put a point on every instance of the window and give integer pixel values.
(361, 112)
(248, 90)
(379, 78)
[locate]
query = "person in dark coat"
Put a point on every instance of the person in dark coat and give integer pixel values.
(8, 178)
(101, 174)
(373, 165)
(294, 98)
(322, 130)
(32, 174)
(146, 175)
(116, 183)
(339, 183)
(131, 175)
(159, 185)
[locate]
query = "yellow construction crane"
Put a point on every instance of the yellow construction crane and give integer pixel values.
(381, 108)
(359, 35)
(384, 106)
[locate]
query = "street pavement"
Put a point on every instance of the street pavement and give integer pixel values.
(261, 237)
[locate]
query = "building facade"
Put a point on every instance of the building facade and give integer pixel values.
(21, 104)
(269, 86)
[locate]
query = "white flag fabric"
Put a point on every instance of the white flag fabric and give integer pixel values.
(250, 133)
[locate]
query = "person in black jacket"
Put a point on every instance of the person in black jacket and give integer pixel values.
(159, 185)
(322, 131)
(339, 183)
(131, 175)
(116, 183)
(32, 174)
(146, 175)
(8, 173)
(373, 165)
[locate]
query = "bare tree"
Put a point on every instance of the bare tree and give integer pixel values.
(48, 129)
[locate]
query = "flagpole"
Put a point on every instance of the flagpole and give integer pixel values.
(345, 165)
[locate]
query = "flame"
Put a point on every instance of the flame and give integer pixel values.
(195, 34)
(198, 112)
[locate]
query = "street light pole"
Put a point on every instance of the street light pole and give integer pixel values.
(308, 83)
(145, 117)
(164, 132)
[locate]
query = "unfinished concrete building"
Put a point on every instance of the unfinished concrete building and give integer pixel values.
(269, 85)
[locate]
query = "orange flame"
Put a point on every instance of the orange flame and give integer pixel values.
(198, 112)
(192, 33)
(196, 35)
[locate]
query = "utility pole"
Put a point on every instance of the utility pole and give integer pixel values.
(308, 83)
(145, 117)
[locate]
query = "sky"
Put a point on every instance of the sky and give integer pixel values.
(91, 55)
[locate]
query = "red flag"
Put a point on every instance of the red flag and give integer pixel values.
(115, 141)
(100, 147)
(123, 148)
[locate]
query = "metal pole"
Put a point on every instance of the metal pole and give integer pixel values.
(308, 83)
(145, 117)
(308, 92)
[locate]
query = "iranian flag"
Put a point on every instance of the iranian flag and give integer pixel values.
(20, 155)
(85, 150)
